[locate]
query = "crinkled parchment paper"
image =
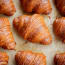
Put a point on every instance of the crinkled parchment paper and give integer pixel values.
(49, 50)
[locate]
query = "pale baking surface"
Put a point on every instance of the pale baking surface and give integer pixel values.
(49, 50)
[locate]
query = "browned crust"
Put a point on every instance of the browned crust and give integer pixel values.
(59, 28)
(30, 58)
(59, 59)
(60, 4)
(37, 6)
(3, 58)
(6, 37)
(33, 29)
(7, 7)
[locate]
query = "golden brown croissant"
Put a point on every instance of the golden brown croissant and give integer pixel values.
(33, 28)
(7, 7)
(37, 6)
(3, 58)
(59, 59)
(59, 28)
(61, 6)
(30, 58)
(6, 37)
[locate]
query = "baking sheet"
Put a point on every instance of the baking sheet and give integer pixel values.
(48, 50)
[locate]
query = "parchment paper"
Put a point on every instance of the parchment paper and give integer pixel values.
(49, 50)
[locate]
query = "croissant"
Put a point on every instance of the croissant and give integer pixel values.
(6, 37)
(7, 7)
(59, 59)
(30, 58)
(60, 4)
(59, 28)
(37, 6)
(3, 58)
(32, 28)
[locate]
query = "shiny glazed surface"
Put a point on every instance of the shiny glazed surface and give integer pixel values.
(6, 37)
(33, 29)
(7, 7)
(37, 6)
(30, 58)
(59, 59)
(3, 58)
(59, 28)
(61, 6)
